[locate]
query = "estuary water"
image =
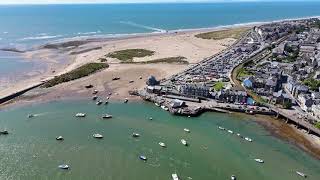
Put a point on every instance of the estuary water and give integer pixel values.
(31, 152)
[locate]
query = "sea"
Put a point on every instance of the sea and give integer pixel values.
(31, 152)
(26, 27)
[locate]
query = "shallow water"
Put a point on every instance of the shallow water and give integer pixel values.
(30, 151)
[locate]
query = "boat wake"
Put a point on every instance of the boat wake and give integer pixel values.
(40, 37)
(143, 26)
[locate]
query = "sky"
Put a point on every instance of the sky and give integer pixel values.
(117, 1)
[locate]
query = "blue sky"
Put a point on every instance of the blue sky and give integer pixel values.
(118, 1)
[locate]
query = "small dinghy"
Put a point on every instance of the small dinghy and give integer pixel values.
(157, 104)
(221, 128)
(229, 131)
(94, 98)
(80, 115)
(162, 144)
(248, 139)
(301, 174)
(175, 177)
(150, 118)
(106, 116)
(30, 115)
(126, 100)
(99, 102)
(97, 136)
(186, 130)
(184, 142)
(59, 138)
(107, 102)
(135, 135)
(143, 158)
(259, 160)
(95, 91)
(165, 108)
(63, 166)
(233, 177)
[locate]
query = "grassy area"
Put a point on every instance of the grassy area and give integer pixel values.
(235, 33)
(170, 60)
(129, 54)
(317, 125)
(218, 86)
(80, 72)
(313, 84)
(243, 73)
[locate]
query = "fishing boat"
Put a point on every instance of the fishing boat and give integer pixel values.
(175, 177)
(98, 136)
(143, 158)
(301, 174)
(106, 116)
(94, 98)
(186, 130)
(229, 131)
(233, 177)
(135, 135)
(162, 144)
(221, 128)
(259, 160)
(157, 104)
(63, 166)
(248, 139)
(59, 138)
(184, 142)
(80, 115)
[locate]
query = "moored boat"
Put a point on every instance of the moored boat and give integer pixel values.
(107, 116)
(175, 177)
(99, 102)
(229, 131)
(31, 115)
(64, 166)
(301, 174)
(59, 138)
(248, 139)
(4, 132)
(81, 115)
(143, 158)
(126, 100)
(162, 144)
(186, 130)
(184, 142)
(135, 135)
(157, 104)
(221, 128)
(233, 177)
(259, 160)
(165, 108)
(94, 98)
(150, 118)
(98, 136)
(95, 91)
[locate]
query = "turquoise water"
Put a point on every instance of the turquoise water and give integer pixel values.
(27, 26)
(30, 151)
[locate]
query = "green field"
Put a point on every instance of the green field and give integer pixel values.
(127, 55)
(80, 72)
(235, 33)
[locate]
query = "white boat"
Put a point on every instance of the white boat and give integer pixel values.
(248, 139)
(238, 134)
(233, 177)
(162, 144)
(95, 91)
(63, 166)
(301, 174)
(99, 102)
(126, 100)
(259, 160)
(98, 136)
(175, 177)
(157, 104)
(106, 116)
(165, 108)
(184, 142)
(150, 118)
(186, 130)
(221, 128)
(229, 131)
(80, 115)
(143, 158)
(59, 138)
(135, 135)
